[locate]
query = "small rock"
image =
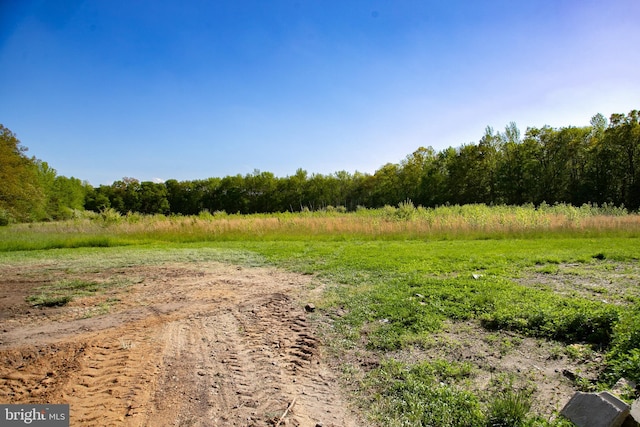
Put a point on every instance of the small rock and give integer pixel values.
(309, 308)
(623, 386)
(635, 410)
(571, 375)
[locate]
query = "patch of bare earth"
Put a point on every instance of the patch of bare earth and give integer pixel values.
(551, 371)
(503, 359)
(185, 345)
(500, 360)
(606, 281)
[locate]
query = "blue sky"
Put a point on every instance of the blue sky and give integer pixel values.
(158, 89)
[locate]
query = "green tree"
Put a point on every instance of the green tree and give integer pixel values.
(261, 192)
(551, 172)
(63, 195)
(361, 190)
(47, 177)
(434, 181)
(388, 187)
(293, 190)
(21, 195)
(205, 195)
(577, 141)
(471, 172)
(231, 195)
(413, 169)
(514, 169)
(124, 195)
(316, 190)
(67, 196)
(97, 199)
(622, 138)
(178, 196)
(152, 198)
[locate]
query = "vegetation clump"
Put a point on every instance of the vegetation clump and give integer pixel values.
(63, 292)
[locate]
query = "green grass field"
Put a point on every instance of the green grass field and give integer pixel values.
(397, 276)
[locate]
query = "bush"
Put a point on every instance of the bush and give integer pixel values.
(623, 366)
(110, 216)
(623, 360)
(5, 218)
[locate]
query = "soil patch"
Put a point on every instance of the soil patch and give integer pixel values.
(180, 344)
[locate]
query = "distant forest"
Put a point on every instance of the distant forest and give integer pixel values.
(597, 164)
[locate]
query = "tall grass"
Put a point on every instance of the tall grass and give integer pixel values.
(403, 222)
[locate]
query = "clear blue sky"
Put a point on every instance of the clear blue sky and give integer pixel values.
(191, 89)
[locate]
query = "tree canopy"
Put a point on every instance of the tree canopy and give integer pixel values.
(21, 196)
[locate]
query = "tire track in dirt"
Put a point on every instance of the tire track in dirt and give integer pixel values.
(214, 345)
(247, 365)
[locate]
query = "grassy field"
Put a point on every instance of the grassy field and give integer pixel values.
(398, 277)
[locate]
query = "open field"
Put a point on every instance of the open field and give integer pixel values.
(192, 320)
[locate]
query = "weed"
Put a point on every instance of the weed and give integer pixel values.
(509, 409)
(578, 352)
(126, 344)
(420, 395)
(99, 310)
(46, 300)
(507, 345)
(61, 293)
(556, 353)
(623, 359)
(549, 269)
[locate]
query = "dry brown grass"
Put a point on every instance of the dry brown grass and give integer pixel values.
(405, 222)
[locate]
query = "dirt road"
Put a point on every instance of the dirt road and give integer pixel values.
(204, 344)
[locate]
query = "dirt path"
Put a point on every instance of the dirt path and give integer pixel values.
(188, 345)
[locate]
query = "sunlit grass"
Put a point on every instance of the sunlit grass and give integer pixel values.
(390, 223)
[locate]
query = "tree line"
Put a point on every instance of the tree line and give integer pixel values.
(597, 164)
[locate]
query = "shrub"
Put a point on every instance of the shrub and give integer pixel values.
(5, 217)
(110, 216)
(623, 366)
